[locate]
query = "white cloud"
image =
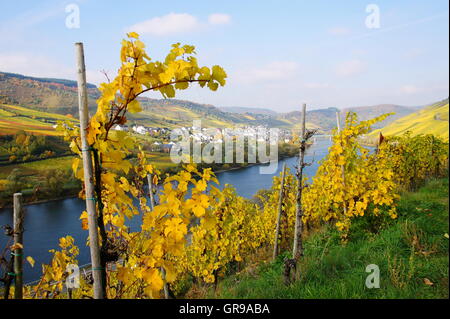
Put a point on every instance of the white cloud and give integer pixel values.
(219, 18)
(349, 68)
(338, 31)
(175, 23)
(276, 70)
(171, 23)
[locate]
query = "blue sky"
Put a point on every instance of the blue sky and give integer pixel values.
(278, 54)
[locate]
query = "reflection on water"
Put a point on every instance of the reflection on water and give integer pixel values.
(45, 223)
(248, 181)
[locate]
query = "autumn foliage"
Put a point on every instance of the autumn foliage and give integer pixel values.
(197, 229)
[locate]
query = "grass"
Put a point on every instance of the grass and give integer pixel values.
(33, 169)
(430, 120)
(32, 174)
(160, 160)
(410, 252)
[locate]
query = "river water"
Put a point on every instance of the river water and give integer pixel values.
(45, 223)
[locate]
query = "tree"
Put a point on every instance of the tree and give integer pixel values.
(55, 180)
(14, 179)
(110, 148)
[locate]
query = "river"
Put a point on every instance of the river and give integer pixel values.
(45, 223)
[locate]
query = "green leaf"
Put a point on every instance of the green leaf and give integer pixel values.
(134, 107)
(167, 91)
(182, 85)
(219, 74)
(213, 85)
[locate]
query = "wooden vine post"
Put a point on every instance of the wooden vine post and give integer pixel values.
(99, 285)
(338, 123)
(17, 252)
(297, 250)
(150, 191)
(280, 211)
(152, 206)
(381, 140)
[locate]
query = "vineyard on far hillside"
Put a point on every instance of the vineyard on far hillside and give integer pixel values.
(432, 119)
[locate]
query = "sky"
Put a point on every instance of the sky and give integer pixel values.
(278, 54)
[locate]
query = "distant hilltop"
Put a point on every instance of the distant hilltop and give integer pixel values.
(59, 96)
(432, 119)
(250, 110)
(369, 112)
(68, 83)
(45, 94)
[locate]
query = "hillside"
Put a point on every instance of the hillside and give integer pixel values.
(59, 96)
(412, 255)
(323, 119)
(173, 113)
(44, 94)
(17, 118)
(250, 110)
(370, 112)
(432, 119)
(55, 97)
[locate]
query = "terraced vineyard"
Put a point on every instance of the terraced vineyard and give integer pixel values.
(19, 118)
(432, 119)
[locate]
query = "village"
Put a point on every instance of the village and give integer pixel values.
(163, 141)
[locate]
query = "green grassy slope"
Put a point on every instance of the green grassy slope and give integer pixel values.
(432, 119)
(32, 170)
(34, 174)
(410, 252)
